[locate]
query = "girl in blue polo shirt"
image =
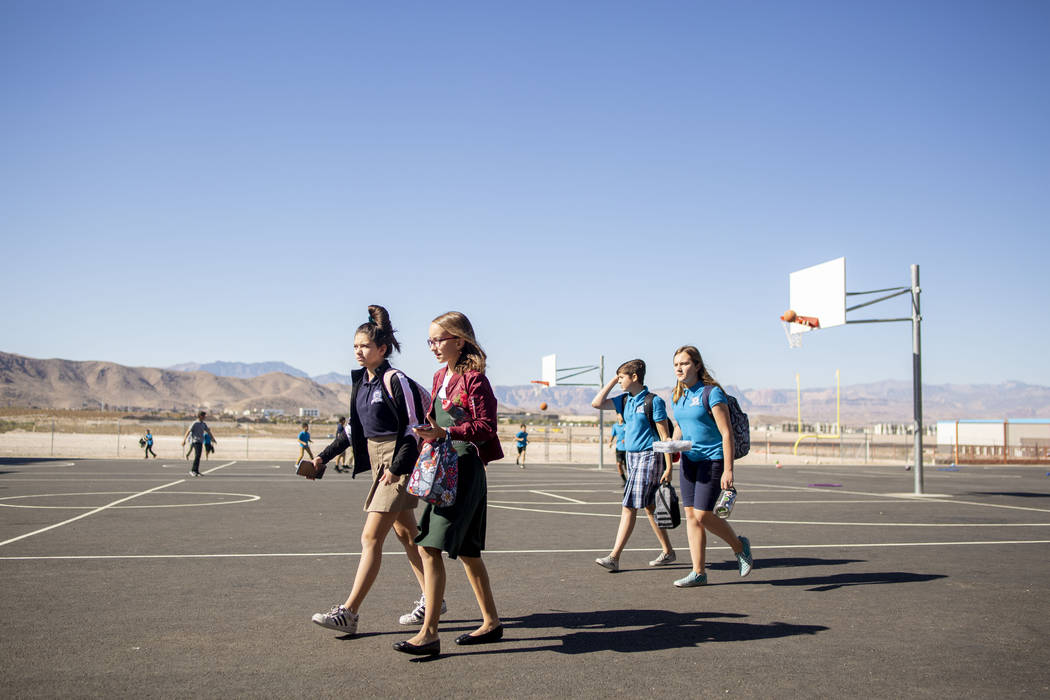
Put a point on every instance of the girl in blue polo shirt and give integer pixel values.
(707, 468)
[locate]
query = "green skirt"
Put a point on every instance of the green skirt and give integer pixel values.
(459, 528)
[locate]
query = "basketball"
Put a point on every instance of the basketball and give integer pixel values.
(788, 316)
(543, 407)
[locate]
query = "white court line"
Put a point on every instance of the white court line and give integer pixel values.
(790, 522)
(554, 495)
(100, 509)
(490, 552)
(927, 499)
(926, 474)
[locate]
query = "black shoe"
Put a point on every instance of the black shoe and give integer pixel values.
(431, 649)
(493, 635)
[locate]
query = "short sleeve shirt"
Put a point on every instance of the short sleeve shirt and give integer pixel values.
(638, 433)
(304, 437)
(617, 431)
(697, 424)
(377, 419)
(197, 431)
(523, 438)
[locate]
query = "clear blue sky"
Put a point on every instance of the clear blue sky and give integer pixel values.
(198, 181)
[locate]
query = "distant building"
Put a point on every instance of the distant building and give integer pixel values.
(272, 412)
(309, 412)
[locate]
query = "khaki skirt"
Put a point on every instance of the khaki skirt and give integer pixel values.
(386, 498)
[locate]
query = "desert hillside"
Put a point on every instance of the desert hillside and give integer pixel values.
(54, 383)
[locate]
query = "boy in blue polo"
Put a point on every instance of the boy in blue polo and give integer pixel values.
(304, 443)
(645, 469)
(616, 442)
(523, 444)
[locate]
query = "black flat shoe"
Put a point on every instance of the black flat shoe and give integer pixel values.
(493, 635)
(431, 649)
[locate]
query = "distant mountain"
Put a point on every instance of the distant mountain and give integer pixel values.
(25, 381)
(332, 378)
(54, 383)
(244, 370)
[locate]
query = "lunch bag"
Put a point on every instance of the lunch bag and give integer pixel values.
(436, 474)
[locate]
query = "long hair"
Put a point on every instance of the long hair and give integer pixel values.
(705, 377)
(378, 329)
(471, 356)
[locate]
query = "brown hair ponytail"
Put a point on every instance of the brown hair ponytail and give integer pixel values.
(701, 370)
(378, 329)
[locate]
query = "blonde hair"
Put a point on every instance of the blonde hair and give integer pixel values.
(471, 357)
(701, 370)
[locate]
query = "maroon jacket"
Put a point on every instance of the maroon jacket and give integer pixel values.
(472, 392)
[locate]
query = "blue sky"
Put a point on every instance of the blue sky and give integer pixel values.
(202, 181)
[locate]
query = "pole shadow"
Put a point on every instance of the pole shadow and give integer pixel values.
(632, 631)
(830, 583)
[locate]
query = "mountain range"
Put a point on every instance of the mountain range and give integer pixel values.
(56, 383)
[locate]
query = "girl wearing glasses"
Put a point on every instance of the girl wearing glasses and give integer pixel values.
(463, 410)
(383, 404)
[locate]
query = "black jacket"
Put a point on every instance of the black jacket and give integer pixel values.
(406, 449)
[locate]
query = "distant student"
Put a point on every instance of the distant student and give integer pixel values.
(708, 467)
(304, 442)
(340, 461)
(616, 442)
(195, 434)
(644, 469)
(523, 444)
(209, 445)
(148, 437)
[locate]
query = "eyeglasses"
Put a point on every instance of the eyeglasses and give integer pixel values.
(433, 342)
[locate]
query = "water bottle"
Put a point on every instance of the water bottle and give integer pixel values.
(724, 504)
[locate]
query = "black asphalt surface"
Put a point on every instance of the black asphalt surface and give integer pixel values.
(205, 587)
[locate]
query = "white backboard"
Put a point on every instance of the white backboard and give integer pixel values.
(550, 370)
(819, 291)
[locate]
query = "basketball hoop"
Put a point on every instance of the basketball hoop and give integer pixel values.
(541, 382)
(795, 326)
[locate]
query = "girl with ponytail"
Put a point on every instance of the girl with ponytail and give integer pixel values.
(708, 467)
(384, 404)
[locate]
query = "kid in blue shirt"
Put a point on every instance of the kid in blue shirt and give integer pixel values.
(304, 443)
(523, 443)
(644, 472)
(707, 468)
(616, 442)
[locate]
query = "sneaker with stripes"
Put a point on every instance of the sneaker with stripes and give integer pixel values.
(339, 619)
(419, 612)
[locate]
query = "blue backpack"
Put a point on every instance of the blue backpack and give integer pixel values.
(738, 422)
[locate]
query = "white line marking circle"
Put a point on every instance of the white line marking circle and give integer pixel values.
(242, 498)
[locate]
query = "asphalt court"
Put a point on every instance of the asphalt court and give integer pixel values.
(133, 578)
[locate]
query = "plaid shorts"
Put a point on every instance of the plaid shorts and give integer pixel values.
(643, 478)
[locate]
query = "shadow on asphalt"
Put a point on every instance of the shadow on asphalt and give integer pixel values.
(637, 630)
(1015, 494)
(830, 583)
(783, 562)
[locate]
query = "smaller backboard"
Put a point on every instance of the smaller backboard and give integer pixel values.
(550, 370)
(819, 292)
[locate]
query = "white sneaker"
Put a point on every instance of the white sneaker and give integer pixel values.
(664, 559)
(419, 612)
(339, 619)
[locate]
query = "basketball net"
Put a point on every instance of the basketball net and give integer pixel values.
(794, 339)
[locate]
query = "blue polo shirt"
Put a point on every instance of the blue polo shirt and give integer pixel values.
(304, 437)
(523, 438)
(638, 434)
(617, 431)
(697, 424)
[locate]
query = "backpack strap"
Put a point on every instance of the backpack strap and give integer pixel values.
(412, 400)
(705, 396)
